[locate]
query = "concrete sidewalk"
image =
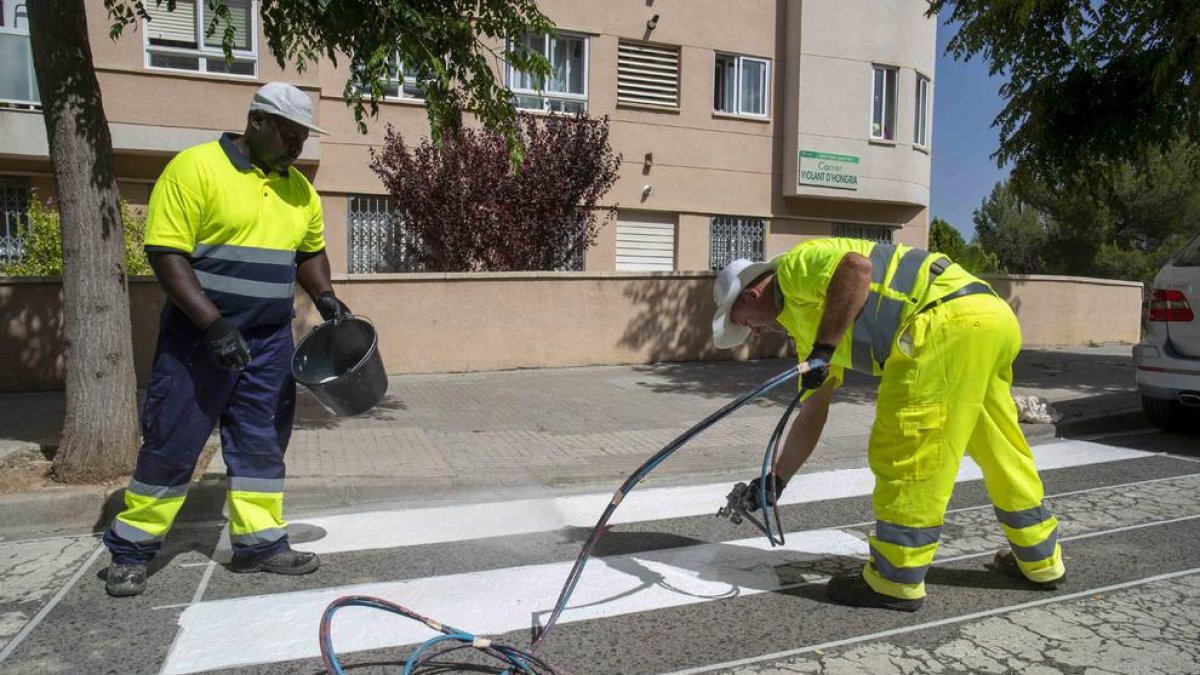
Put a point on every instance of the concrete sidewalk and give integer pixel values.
(512, 433)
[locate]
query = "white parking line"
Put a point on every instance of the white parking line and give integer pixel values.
(37, 618)
(934, 624)
(413, 527)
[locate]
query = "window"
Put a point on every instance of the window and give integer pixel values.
(14, 216)
(378, 241)
(883, 104)
(921, 123)
(647, 74)
(741, 85)
(566, 90)
(400, 82)
(880, 233)
(732, 237)
(18, 84)
(177, 41)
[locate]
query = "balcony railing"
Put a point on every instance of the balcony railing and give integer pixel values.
(18, 84)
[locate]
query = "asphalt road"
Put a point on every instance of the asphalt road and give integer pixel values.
(673, 589)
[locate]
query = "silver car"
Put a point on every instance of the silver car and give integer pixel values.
(1168, 357)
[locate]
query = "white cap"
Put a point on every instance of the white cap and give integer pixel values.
(286, 101)
(726, 289)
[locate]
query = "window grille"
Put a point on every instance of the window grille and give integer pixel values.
(379, 242)
(880, 233)
(14, 215)
(647, 74)
(733, 237)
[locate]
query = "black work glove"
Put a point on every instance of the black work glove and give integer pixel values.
(753, 495)
(330, 307)
(226, 344)
(815, 377)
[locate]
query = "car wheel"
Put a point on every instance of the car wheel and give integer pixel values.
(1164, 413)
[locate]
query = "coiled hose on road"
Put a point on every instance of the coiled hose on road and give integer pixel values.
(526, 661)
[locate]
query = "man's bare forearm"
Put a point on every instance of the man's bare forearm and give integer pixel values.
(314, 275)
(805, 432)
(178, 280)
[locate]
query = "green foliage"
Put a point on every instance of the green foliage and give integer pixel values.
(1125, 228)
(943, 238)
(445, 44)
(1090, 83)
(42, 237)
(1013, 231)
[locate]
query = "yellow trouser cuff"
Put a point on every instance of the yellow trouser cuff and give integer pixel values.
(891, 588)
(251, 512)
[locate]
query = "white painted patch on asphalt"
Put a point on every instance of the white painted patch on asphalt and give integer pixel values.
(263, 629)
(414, 527)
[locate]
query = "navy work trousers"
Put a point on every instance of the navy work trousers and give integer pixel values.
(187, 396)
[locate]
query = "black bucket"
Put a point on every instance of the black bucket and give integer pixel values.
(339, 362)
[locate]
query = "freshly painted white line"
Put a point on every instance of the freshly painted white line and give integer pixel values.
(211, 634)
(37, 618)
(412, 527)
(258, 629)
(934, 624)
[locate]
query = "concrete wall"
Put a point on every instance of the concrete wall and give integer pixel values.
(489, 321)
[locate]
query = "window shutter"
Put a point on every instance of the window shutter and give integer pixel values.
(239, 16)
(648, 74)
(177, 26)
(645, 241)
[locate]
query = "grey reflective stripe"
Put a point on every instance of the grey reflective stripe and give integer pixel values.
(250, 289)
(250, 254)
(1026, 518)
(881, 255)
(860, 342)
(130, 533)
(905, 278)
(156, 491)
(244, 484)
(861, 339)
(1037, 553)
(910, 537)
(883, 331)
(899, 575)
(261, 537)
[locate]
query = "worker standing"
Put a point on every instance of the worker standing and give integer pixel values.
(231, 227)
(943, 345)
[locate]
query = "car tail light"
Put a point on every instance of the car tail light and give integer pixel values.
(1169, 306)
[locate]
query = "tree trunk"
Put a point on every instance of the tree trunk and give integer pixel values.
(100, 434)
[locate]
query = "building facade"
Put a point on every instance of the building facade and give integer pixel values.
(744, 127)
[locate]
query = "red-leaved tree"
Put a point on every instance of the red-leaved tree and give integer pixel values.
(461, 205)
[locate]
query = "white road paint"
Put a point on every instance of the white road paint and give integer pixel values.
(263, 629)
(413, 527)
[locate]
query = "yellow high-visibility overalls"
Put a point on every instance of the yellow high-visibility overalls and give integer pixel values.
(943, 344)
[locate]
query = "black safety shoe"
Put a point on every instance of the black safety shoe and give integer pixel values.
(125, 580)
(286, 561)
(1006, 563)
(852, 590)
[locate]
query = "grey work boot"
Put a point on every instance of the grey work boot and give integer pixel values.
(125, 580)
(286, 561)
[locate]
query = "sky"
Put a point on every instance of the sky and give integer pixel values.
(965, 101)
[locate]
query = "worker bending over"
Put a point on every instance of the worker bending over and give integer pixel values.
(943, 344)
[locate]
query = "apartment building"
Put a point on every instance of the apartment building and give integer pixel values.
(745, 126)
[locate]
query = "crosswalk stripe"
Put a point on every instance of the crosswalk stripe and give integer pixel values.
(413, 527)
(284, 627)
